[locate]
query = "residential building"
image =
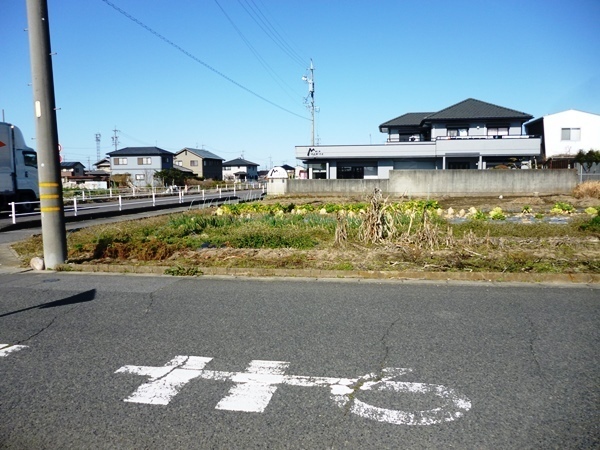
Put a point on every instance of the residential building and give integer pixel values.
(240, 169)
(103, 164)
(71, 169)
(471, 134)
(202, 163)
(141, 163)
(564, 133)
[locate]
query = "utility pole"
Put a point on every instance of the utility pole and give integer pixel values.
(310, 100)
(54, 235)
(115, 138)
(98, 153)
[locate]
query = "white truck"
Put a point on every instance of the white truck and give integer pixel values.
(18, 170)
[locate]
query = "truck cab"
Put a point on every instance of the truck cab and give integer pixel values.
(18, 169)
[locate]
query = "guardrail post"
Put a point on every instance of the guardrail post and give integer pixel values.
(180, 196)
(75, 205)
(219, 192)
(82, 196)
(234, 189)
(120, 203)
(153, 198)
(14, 212)
(202, 194)
(110, 192)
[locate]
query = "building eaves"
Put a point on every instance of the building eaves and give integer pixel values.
(472, 109)
(406, 120)
(201, 153)
(140, 151)
(239, 162)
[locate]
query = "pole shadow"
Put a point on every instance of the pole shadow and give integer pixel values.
(82, 297)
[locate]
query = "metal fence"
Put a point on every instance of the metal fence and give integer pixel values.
(108, 198)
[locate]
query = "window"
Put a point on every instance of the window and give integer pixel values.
(30, 159)
(120, 161)
(179, 163)
(497, 131)
(459, 165)
(144, 161)
(570, 134)
(194, 163)
(140, 176)
(457, 132)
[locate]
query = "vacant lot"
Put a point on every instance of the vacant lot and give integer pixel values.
(510, 235)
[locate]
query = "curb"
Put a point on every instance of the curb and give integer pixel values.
(559, 278)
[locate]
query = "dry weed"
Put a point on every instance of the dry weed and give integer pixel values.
(589, 189)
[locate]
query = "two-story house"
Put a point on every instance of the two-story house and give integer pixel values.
(566, 132)
(201, 162)
(141, 163)
(240, 169)
(468, 135)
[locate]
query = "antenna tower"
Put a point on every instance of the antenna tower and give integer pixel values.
(98, 136)
(309, 101)
(115, 138)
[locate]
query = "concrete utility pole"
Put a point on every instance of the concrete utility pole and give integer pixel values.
(115, 138)
(310, 100)
(54, 235)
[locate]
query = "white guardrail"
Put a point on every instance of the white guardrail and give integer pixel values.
(150, 196)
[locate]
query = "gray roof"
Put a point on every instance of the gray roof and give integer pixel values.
(67, 164)
(407, 120)
(471, 108)
(140, 151)
(239, 162)
(201, 153)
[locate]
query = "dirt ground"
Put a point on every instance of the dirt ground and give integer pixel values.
(494, 254)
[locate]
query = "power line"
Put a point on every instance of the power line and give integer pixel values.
(260, 59)
(272, 32)
(198, 60)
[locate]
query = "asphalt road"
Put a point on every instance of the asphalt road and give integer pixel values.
(123, 362)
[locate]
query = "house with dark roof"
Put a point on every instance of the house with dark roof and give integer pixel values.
(103, 164)
(140, 163)
(240, 169)
(201, 162)
(471, 134)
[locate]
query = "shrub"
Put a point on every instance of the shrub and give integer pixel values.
(591, 226)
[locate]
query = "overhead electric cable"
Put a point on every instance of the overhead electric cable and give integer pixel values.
(260, 59)
(260, 19)
(198, 60)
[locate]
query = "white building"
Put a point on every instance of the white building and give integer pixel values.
(566, 132)
(240, 169)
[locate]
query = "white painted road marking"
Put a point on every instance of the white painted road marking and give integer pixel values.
(255, 387)
(5, 349)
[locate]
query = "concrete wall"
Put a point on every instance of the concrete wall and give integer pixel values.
(431, 183)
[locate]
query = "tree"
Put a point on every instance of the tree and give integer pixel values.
(174, 177)
(587, 159)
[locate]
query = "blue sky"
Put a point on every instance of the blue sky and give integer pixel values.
(374, 60)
